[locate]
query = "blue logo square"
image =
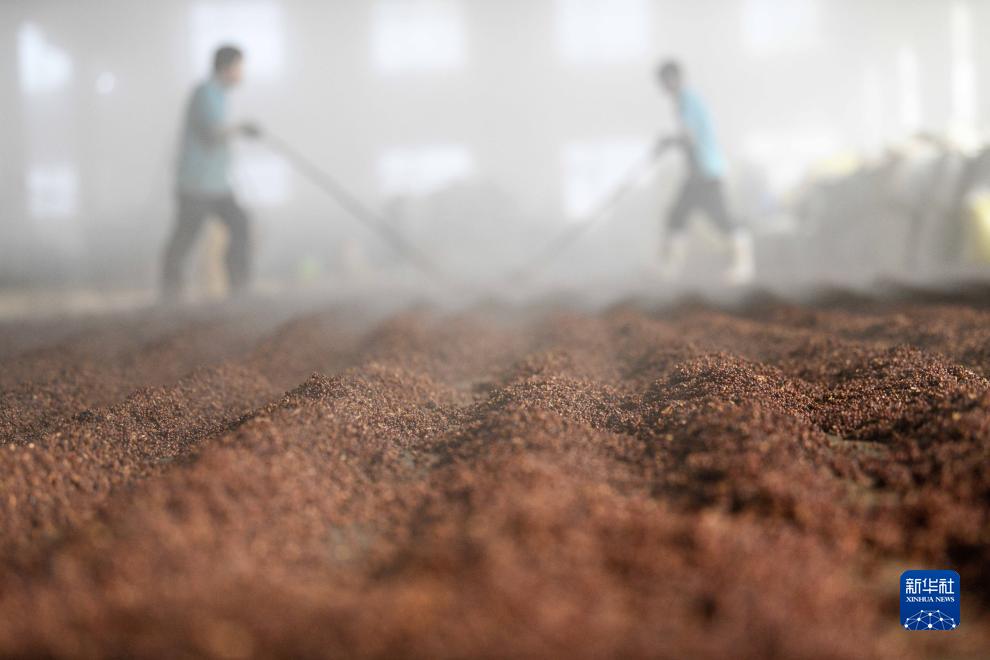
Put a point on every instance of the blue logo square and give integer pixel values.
(930, 600)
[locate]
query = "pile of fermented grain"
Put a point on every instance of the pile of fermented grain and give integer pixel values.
(683, 483)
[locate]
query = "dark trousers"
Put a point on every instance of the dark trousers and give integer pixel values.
(700, 193)
(192, 212)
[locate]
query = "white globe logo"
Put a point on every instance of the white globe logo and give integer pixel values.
(930, 620)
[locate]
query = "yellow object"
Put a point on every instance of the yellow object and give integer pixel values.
(209, 276)
(978, 227)
(837, 166)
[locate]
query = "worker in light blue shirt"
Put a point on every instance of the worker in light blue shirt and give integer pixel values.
(704, 184)
(705, 152)
(204, 159)
(203, 188)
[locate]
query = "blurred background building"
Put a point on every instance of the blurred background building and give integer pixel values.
(482, 129)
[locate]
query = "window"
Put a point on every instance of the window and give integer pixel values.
(593, 169)
(771, 27)
(256, 27)
(105, 83)
(874, 116)
(602, 30)
(909, 87)
(263, 178)
(42, 66)
(53, 191)
(963, 65)
(786, 155)
(423, 170)
(417, 35)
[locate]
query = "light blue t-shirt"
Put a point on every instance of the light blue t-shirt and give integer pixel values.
(707, 153)
(204, 159)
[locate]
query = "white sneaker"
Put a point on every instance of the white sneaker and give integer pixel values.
(673, 256)
(743, 269)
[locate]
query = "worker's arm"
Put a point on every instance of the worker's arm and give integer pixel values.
(219, 133)
(224, 133)
(673, 141)
(209, 121)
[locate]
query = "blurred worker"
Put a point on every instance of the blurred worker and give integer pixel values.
(703, 187)
(203, 178)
